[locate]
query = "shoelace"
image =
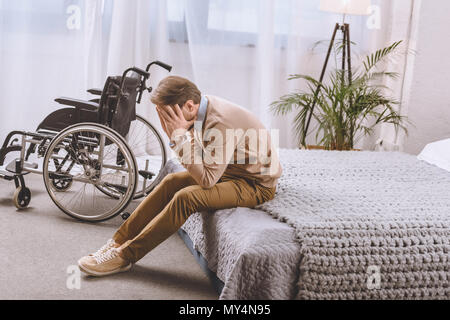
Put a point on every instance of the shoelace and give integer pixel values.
(106, 256)
(104, 248)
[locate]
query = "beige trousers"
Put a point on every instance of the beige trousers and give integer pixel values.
(169, 205)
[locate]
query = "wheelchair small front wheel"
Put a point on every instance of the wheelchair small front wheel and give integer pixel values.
(92, 157)
(22, 197)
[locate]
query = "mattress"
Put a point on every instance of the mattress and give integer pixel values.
(343, 225)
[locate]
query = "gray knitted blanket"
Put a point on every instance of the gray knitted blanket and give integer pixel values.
(372, 225)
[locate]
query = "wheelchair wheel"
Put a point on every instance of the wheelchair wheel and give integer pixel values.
(150, 154)
(22, 197)
(86, 157)
(148, 149)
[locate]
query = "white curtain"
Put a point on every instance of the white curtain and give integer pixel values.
(42, 55)
(243, 51)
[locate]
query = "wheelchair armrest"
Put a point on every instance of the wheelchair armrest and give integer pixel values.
(79, 104)
(95, 91)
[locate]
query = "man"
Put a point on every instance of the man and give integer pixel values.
(229, 161)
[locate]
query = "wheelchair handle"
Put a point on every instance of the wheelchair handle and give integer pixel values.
(141, 72)
(159, 63)
(144, 74)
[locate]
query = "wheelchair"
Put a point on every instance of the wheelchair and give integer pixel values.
(97, 155)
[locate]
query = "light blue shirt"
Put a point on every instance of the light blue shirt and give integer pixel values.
(198, 125)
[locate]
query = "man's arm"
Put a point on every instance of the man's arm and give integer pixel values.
(205, 158)
(206, 164)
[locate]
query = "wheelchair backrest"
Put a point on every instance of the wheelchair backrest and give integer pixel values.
(118, 108)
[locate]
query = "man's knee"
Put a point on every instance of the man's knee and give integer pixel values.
(173, 178)
(169, 178)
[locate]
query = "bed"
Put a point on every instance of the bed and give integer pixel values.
(343, 225)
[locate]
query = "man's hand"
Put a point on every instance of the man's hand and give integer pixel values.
(173, 120)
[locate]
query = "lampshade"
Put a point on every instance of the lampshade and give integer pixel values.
(357, 7)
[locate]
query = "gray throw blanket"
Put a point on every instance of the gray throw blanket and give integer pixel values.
(371, 225)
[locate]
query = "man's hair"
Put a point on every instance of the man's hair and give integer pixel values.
(174, 90)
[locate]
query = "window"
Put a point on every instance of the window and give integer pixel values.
(176, 21)
(232, 22)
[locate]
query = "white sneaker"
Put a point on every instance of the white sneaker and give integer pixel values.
(109, 245)
(107, 263)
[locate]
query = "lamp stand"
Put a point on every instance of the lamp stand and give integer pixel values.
(346, 65)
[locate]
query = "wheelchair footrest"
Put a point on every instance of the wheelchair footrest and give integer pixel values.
(146, 174)
(14, 168)
(6, 175)
(30, 165)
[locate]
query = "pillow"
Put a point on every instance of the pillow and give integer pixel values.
(437, 153)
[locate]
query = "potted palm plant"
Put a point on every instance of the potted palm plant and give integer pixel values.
(345, 109)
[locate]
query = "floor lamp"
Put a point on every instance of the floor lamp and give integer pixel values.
(344, 7)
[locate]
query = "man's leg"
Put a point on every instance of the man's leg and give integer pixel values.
(152, 205)
(191, 199)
